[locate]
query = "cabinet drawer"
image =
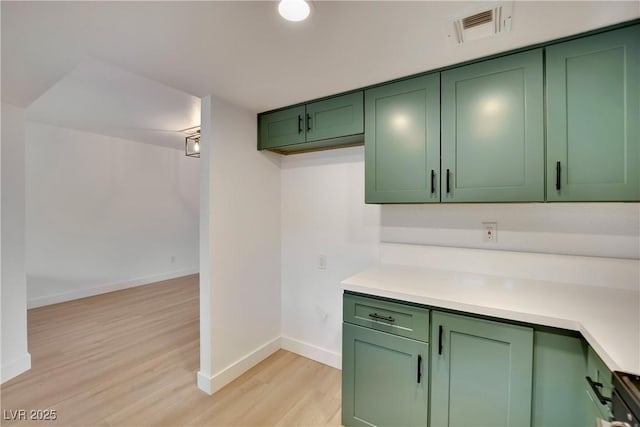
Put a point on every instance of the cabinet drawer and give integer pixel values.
(398, 319)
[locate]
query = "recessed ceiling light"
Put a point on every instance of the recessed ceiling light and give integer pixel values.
(294, 10)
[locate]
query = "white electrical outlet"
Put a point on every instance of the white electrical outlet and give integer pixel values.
(490, 232)
(322, 262)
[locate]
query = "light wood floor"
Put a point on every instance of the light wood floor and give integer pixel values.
(130, 358)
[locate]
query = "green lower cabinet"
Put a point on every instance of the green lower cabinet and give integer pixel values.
(481, 373)
(384, 379)
(559, 366)
(475, 372)
(598, 372)
(594, 408)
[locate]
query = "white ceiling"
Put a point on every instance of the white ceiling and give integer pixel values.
(71, 61)
(101, 98)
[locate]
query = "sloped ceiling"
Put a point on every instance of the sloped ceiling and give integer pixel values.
(101, 98)
(243, 51)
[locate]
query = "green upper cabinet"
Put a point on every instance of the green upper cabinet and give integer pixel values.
(481, 372)
(284, 127)
(335, 117)
(331, 122)
(593, 118)
(402, 141)
(555, 123)
(492, 130)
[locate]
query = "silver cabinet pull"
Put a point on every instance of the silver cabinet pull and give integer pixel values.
(379, 317)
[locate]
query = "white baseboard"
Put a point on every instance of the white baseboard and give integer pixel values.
(15, 367)
(313, 352)
(211, 384)
(205, 383)
(109, 287)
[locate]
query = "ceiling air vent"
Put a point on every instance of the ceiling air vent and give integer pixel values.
(483, 23)
(477, 19)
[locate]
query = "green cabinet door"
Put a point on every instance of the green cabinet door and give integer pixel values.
(329, 123)
(402, 141)
(594, 409)
(281, 128)
(598, 372)
(492, 130)
(559, 366)
(335, 117)
(480, 373)
(593, 118)
(384, 379)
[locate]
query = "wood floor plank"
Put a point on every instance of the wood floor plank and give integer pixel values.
(129, 358)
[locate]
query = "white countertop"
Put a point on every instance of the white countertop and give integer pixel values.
(608, 318)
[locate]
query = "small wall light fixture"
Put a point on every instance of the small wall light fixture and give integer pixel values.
(192, 143)
(294, 10)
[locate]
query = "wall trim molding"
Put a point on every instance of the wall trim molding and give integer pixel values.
(312, 352)
(108, 287)
(16, 367)
(211, 384)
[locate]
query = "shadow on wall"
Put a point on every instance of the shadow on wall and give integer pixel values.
(591, 229)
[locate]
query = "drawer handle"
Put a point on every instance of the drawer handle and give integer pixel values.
(308, 122)
(378, 317)
(448, 182)
(595, 386)
(299, 123)
(440, 330)
(558, 171)
(419, 368)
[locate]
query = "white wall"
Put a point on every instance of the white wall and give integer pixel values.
(105, 213)
(323, 212)
(14, 353)
(240, 246)
(591, 229)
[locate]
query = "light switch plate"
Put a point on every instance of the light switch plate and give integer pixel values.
(322, 262)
